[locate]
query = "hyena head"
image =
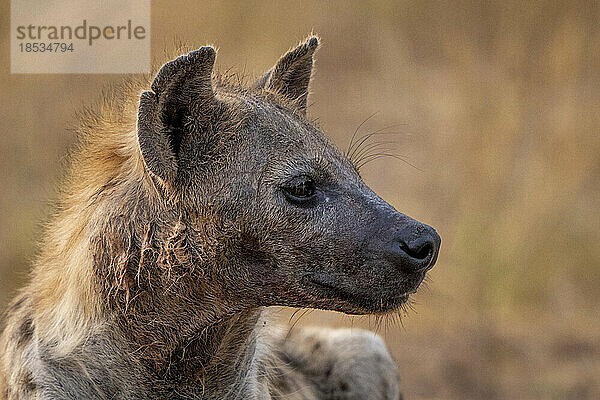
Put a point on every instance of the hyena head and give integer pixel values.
(291, 221)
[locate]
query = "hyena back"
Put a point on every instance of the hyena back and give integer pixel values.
(188, 210)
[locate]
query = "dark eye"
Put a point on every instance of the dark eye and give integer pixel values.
(300, 189)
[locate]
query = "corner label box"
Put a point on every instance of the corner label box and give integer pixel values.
(83, 36)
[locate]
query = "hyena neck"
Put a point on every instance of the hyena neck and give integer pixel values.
(116, 301)
(164, 303)
(222, 361)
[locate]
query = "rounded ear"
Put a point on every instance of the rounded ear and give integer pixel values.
(290, 77)
(181, 85)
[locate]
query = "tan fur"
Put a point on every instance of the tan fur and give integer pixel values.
(63, 300)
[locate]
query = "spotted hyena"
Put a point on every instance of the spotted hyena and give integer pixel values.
(189, 209)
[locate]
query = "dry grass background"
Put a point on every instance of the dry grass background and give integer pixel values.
(496, 103)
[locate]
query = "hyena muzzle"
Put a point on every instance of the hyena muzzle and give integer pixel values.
(189, 209)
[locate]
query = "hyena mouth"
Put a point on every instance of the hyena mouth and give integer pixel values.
(372, 300)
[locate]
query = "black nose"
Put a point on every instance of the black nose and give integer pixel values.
(416, 247)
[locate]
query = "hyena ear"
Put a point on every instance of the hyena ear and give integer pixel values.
(290, 77)
(182, 88)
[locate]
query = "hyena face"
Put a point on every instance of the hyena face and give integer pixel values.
(299, 226)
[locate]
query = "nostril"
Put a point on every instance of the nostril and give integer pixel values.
(420, 252)
(415, 248)
(424, 252)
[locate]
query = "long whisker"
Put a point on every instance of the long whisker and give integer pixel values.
(381, 155)
(366, 137)
(351, 144)
(305, 311)
(371, 147)
(377, 153)
(376, 156)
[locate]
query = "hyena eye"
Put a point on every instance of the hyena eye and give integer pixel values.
(299, 189)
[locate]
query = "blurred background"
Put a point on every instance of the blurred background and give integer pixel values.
(496, 104)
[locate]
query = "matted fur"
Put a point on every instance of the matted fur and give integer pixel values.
(112, 307)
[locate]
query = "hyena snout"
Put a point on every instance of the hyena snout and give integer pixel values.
(414, 248)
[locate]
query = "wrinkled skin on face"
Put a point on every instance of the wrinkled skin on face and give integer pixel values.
(300, 226)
